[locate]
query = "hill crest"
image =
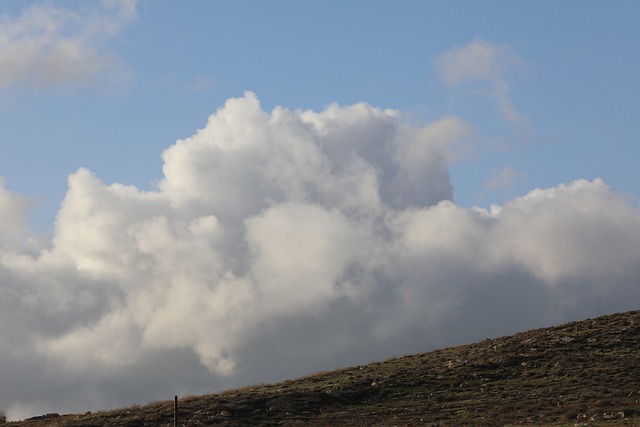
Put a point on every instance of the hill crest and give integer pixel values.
(579, 373)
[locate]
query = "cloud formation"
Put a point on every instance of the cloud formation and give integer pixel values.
(279, 243)
(480, 61)
(48, 46)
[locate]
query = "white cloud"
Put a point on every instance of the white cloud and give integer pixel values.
(283, 242)
(481, 62)
(593, 233)
(49, 46)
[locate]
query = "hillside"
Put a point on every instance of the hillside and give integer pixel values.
(581, 373)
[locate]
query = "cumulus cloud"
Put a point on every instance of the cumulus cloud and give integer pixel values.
(480, 61)
(48, 46)
(279, 243)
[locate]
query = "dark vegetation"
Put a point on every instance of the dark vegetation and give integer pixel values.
(580, 374)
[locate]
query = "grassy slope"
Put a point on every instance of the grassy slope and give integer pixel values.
(581, 373)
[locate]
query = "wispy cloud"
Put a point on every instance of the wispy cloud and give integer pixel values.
(200, 84)
(48, 46)
(481, 62)
(505, 179)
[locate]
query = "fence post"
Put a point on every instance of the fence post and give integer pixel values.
(175, 411)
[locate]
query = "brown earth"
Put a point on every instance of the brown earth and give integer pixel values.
(580, 374)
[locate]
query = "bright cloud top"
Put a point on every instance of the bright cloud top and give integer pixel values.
(287, 241)
(48, 46)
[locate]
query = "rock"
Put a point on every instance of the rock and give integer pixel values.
(613, 415)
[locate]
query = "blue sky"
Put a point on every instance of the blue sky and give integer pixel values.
(575, 85)
(209, 194)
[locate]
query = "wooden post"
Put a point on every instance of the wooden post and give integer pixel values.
(175, 411)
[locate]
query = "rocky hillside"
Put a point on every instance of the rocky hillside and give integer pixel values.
(580, 374)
